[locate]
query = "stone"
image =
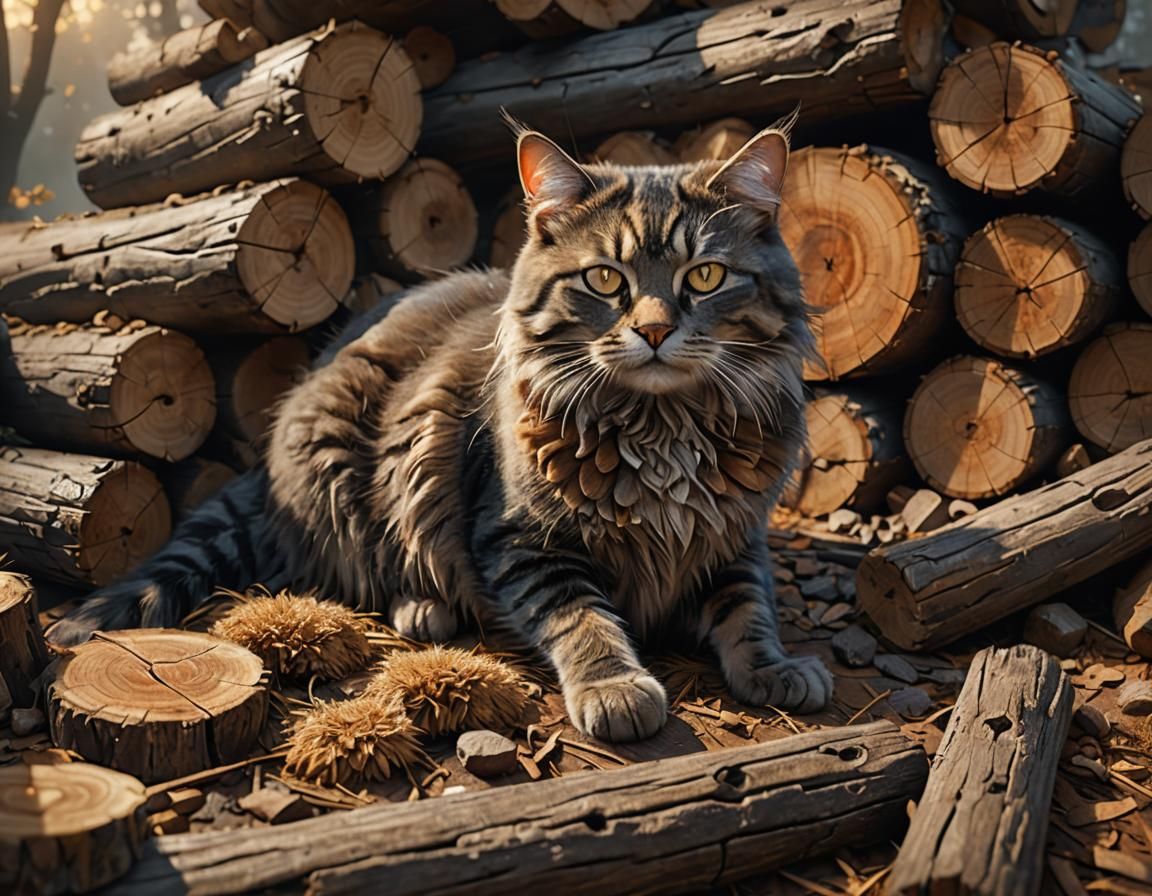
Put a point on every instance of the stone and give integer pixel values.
(896, 667)
(1135, 698)
(806, 567)
(836, 613)
(910, 702)
(27, 721)
(789, 596)
(854, 647)
(821, 588)
(1092, 721)
(1055, 627)
(486, 754)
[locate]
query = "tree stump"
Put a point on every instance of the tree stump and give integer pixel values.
(191, 482)
(67, 827)
(181, 58)
(982, 822)
(1110, 392)
(267, 259)
(432, 53)
(632, 148)
(856, 452)
(876, 242)
(335, 105)
(24, 653)
(1132, 611)
(140, 390)
(1027, 285)
(1021, 19)
(77, 519)
(1007, 119)
(508, 232)
(541, 19)
(1136, 166)
(158, 703)
(1140, 268)
(422, 221)
(976, 428)
(929, 591)
(715, 141)
(250, 378)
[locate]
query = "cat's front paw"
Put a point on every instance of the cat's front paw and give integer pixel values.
(424, 619)
(799, 683)
(618, 709)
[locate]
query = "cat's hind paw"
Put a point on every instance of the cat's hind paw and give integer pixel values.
(798, 683)
(424, 619)
(618, 710)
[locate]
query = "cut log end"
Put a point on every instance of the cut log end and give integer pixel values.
(977, 429)
(632, 148)
(126, 519)
(191, 482)
(369, 291)
(1140, 268)
(1110, 391)
(716, 141)
(158, 703)
(432, 53)
(24, 655)
(68, 827)
(548, 18)
(1136, 166)
(251, 382)
(1028, 285)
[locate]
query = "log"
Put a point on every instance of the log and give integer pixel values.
(1098, 23)
(1007, 119)
(369, 291)
(855, 451)
(432, 53)
(1010, 555)
(267, 259)
(509, 230)
(191, 482)
(67, 827)
(1140, 268)
(836, 58)
(181, 58)
(876, 260)
(250, 378)
(24, 655)
(137, 391)
(158, 703)
(715, 141)
(77, 519)
(632, 148)
(1028, 285)
(421, 222)
(1132, 611)
(976, 428)
(1021, 19)
(542, 19)
(1110, 391)
(676, 825)
(982, 823)
(291, 109)
(239, 11)
(1136, 166)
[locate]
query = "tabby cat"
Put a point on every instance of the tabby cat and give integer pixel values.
(584, 447)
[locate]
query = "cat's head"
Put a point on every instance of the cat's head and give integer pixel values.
(658, 280)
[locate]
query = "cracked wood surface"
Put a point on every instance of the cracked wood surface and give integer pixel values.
(1110, 391)
(928, 591)
(672, 825)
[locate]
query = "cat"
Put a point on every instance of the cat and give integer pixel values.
(578, 451)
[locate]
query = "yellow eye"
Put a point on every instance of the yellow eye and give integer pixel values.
(604, 280)
(706, 277)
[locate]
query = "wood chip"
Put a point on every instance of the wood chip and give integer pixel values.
(1093, 813)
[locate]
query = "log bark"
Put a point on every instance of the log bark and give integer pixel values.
(1132, 611)
(158, 703)
(184, 57)
(715, 141)
(1136, 166)
(1008, 119)
(1140, 268)
(632, 148)
(982, 822)
(84, 837)
(432, 54)
(976, 428)
(1027, 285)
(77, 519)
(421, 223)
(835, 58)
(1110, 391)
(336, 105)
(877, 259)
(267, 259)
(856, 453)
(670, 826)
(1021, 19)
(191, 482)
(251, 378)
(1013, 554)
(24, 655)
(542, 19)
(137, 391)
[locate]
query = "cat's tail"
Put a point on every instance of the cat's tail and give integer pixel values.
(222, 543)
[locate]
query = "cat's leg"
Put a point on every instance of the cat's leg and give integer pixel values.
(550, 598)
(427, 619)
(738, 619)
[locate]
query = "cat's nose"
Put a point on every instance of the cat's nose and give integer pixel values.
(654, 334)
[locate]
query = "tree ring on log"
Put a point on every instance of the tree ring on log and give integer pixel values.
(432, 53)
(362, 100)
(1140, 268)
(1028, 285)
(1110, 391)
(716, 141)
(127, 518)
(632, 148)
(1136, 166)
(158, 703)
(260, 379)
(978, 429)
(296, 257)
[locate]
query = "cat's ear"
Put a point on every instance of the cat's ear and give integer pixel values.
(552, 179)
(755, 173)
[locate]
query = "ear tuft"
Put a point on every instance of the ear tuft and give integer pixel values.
(755, 173)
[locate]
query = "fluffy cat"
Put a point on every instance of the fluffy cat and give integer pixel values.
(580, 450)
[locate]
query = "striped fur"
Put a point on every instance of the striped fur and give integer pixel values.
(518, 450)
